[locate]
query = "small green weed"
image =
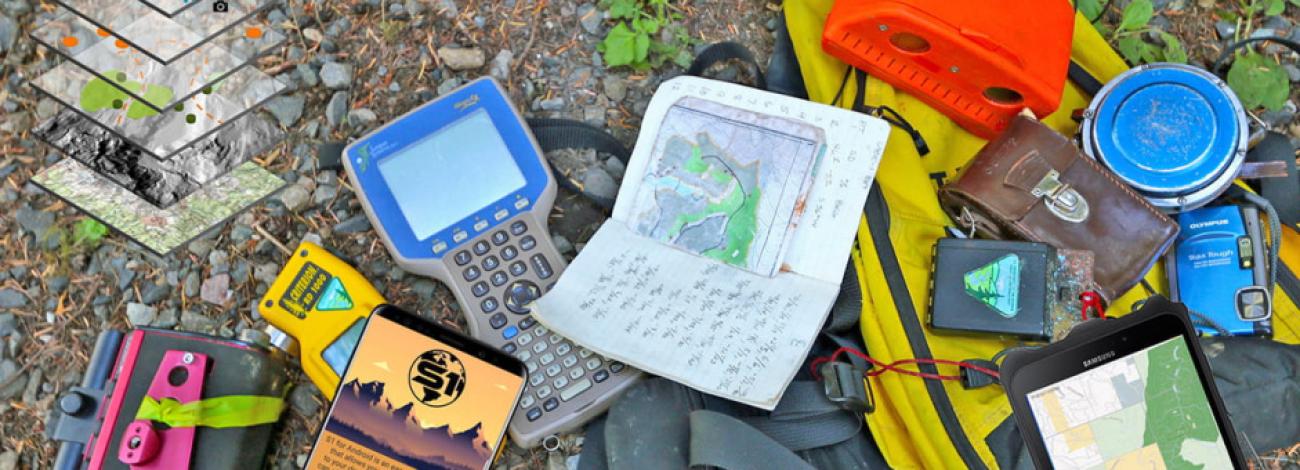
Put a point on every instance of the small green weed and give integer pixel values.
(1258, 79)
(646, 34)
(1128, 35)
(85, 235)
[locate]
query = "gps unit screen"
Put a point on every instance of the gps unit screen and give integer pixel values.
(451, 174)
(1144, 410)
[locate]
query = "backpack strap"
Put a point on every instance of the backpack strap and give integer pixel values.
(720, 52)
(556, 134)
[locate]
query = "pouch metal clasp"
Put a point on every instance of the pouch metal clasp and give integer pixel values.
(1064, 202)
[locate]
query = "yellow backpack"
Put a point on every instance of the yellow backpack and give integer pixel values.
(921, 423)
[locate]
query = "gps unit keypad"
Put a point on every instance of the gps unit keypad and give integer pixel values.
(508, 261)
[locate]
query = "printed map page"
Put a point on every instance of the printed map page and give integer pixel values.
(727, 183)
(1146, 410)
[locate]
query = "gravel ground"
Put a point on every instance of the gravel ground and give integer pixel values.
(354, 64)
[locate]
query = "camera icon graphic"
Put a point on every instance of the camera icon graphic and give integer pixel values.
(220, 6)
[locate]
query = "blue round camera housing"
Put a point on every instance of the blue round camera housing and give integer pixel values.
(1175, 133)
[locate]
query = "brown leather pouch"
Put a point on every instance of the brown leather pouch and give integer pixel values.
(1031, 183)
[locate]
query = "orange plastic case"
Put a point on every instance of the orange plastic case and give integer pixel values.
(979, 62)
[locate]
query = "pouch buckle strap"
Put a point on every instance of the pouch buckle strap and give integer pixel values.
(846, 385)
(1061, 199)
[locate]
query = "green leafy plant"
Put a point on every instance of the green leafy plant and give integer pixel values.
(1257, 79)
(646, 34)
(1129, 35)
(88, 232)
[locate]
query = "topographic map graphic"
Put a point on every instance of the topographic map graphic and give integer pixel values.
(1146, 410)
(727, 183)
(159, 230)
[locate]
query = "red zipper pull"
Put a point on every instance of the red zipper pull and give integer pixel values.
(1091, 300)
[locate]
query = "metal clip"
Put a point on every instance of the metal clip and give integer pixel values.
(846, 385)
(1061, 199)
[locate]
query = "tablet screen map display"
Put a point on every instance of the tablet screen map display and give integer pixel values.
(1145, 410)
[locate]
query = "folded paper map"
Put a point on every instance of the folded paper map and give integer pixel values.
(728, 241)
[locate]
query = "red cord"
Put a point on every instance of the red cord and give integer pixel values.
(893, 366)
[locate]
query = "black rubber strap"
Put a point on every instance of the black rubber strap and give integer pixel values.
(1234, 47)
(723, 51)
(1086, 81)
(556, 134)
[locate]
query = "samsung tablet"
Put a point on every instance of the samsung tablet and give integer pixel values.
(1132, 392)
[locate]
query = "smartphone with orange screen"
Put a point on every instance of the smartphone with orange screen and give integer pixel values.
(416, 395)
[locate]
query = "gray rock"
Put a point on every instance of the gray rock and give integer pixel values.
(36, 222)
(287, 109)
(448, 85)
(8, 460)
(140, 314)
(294, 197)
(562, 244)
(12, 298)
(446, 8)
(8, 324)
(324, 194)
(501, 65)
(596, 182)
(336, 76)
(219, 260)
(553, 104)
(33, 385)
(361, 117)
(191, 284)
(8, 33)
(308, 75)
(414, 7)
(241, 233)
(337, 109)
(1276, 23)
(1280, 118)
(266, 272)
(1225, 29)
(615, 167)
(57, 284)
(356, 224)
(615, 87)
(469, 58)
(9, 374)
(201, 247)
(591, 19)
(167, 319)
(155, 293)
(303, 399)
(215, 290)
(1292, 72)
(191, 321)
(424, 288)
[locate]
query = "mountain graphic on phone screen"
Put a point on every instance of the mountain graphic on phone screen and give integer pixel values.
(364, 415)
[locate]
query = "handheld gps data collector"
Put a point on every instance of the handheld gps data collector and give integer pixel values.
(1120, 393)
(320, 304)
(458, 190)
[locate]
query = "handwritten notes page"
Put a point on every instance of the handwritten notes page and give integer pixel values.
(710, 325)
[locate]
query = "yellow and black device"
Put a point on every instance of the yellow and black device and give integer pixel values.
(320, 303)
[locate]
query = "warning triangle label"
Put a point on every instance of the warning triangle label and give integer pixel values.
(997, 285)
(335, 297)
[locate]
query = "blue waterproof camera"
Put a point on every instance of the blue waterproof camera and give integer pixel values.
(1217, 268)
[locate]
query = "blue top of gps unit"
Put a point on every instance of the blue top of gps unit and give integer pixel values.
(366, 156)
(1167, 130)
